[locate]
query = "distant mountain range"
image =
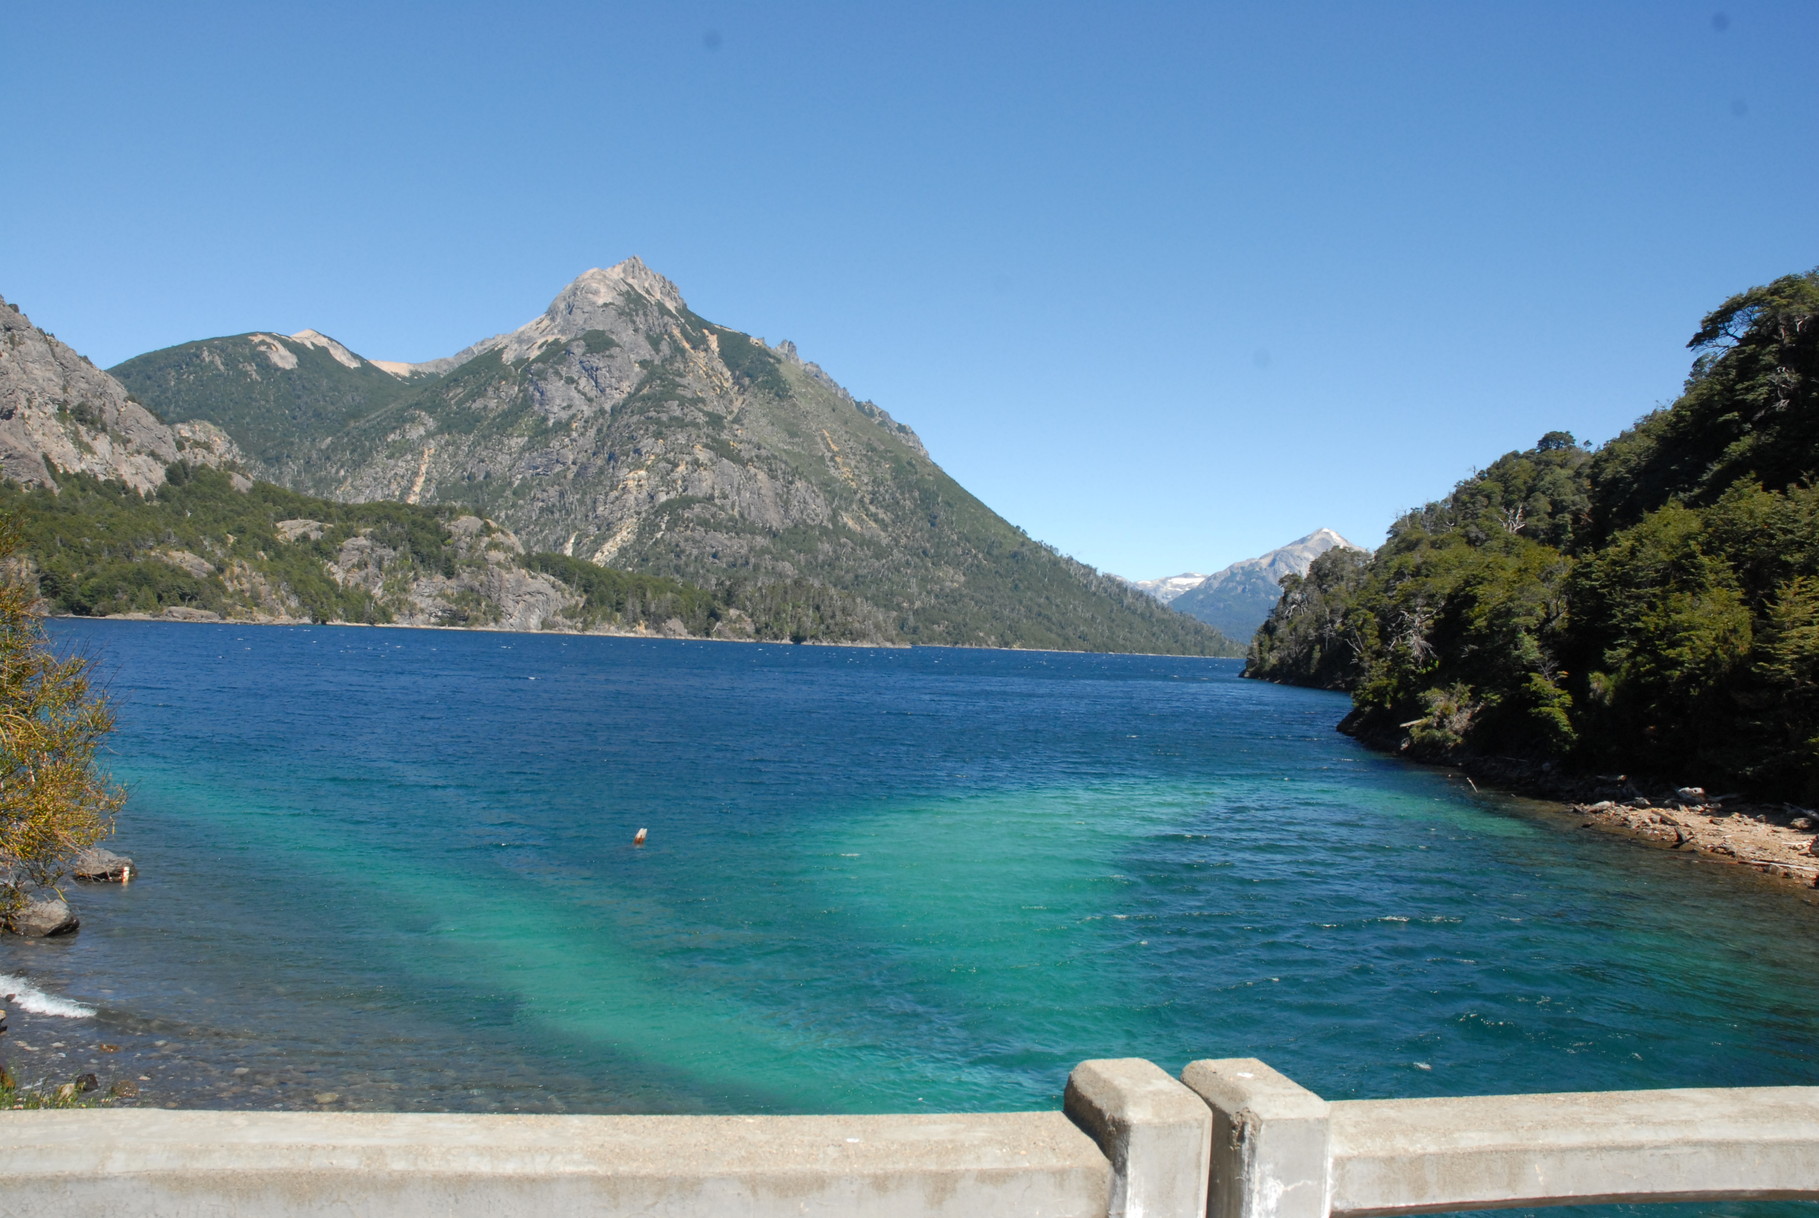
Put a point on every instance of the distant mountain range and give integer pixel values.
(621, 428)
(1238, 599)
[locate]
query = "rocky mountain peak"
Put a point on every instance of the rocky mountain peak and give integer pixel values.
(602, 286)
(1324, 540)
(597, 299)
(608, 299)
(618, 427)
(1295, 557)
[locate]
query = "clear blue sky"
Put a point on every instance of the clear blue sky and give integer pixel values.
(1165, 284)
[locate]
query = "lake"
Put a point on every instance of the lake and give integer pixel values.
(397, 868)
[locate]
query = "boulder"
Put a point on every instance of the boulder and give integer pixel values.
(102, 866)
(43, 913)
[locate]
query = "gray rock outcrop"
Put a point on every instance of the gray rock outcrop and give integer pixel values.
(58, 411)
(101, 866)
(620, 427)
(40, 914)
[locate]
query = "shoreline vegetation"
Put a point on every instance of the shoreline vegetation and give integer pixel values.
(1567, 617)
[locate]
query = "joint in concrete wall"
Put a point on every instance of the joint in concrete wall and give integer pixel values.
(1271, 1140)
(1155, 1132)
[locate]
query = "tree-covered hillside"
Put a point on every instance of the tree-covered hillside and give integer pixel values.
(275, 394)
(1652, 606)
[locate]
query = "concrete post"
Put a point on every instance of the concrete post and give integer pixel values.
(1271, 1154)
(1155, 1132)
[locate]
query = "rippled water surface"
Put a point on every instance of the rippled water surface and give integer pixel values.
(396, 867)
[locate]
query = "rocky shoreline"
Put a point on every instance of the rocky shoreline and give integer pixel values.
(1777, 840)
(66, 1061)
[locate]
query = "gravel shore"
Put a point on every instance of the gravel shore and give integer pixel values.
(1777, 840)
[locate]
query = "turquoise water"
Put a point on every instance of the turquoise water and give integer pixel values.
(398, 866)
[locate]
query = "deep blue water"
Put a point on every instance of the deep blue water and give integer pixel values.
(398, 866)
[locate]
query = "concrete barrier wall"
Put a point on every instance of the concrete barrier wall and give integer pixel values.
(1421, 1156)
(1280, 1151)
(1233, 1139)
(131, 1162)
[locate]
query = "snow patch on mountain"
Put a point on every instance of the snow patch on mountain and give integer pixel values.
(1169, 587)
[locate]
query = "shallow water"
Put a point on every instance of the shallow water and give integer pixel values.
(397, 867)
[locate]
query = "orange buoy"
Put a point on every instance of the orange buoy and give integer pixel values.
(638, 838)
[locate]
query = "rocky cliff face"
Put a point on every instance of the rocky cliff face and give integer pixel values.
(485, 585)
(621, 428)
(164, 523)
(59, 412)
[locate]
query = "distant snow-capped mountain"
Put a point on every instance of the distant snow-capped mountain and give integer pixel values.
(1239, 598)
(1169, 587)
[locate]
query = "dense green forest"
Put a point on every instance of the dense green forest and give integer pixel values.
(1652, 606)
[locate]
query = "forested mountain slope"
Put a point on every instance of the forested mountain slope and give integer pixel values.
(276, 394)
(1651, 606)
(620, 427)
